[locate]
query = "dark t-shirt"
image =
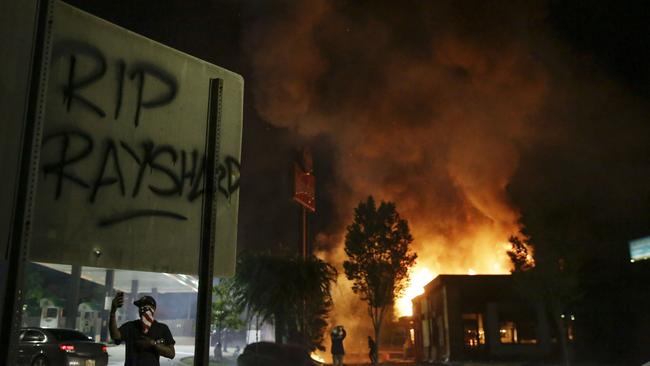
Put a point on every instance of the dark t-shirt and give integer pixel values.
(137, 356)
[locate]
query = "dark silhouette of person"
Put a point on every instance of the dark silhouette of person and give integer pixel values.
(218, 352)
(146, 339)
(372, 350)
(338, 335)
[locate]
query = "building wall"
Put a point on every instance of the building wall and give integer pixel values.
(498, 349)
(431, 321)
(456, 311)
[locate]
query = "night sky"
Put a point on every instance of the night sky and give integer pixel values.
(472, 116)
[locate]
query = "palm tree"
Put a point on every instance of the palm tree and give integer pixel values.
(294, 292)
(313, 279)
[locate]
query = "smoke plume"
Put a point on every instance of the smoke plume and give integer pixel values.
(432, 105)
(429, 117)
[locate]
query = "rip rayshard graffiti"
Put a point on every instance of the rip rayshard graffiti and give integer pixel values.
(84, 155)
(122, 122)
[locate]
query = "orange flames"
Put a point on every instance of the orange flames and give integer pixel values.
(485, 262)
(481, 253)
(419, 277)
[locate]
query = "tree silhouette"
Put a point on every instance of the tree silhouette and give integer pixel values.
(520, 255)
(34, 291)
(294, 292)
(377, 244)
(547, 278)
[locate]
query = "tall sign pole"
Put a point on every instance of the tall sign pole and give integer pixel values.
(304, 232)
(305, 192)
(206, 265)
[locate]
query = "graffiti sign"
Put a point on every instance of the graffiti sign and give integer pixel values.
(122, 162)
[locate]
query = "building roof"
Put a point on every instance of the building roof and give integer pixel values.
(496, 285)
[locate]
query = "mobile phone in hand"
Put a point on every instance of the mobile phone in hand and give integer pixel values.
(119, 299)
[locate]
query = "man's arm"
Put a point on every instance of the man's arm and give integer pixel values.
(116, 335)
(165, 345)
(166, 350)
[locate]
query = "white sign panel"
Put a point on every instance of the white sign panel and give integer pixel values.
(123, 151)
(640, 249)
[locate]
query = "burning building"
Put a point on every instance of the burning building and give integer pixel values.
(481, 317)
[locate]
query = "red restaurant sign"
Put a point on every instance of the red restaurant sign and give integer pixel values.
(304, 188)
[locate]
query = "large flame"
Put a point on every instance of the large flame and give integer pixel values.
(419, 277)
(489, 262)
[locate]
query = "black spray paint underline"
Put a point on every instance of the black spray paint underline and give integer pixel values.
(130, 215)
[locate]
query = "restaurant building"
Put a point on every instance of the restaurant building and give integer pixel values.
(480, 317)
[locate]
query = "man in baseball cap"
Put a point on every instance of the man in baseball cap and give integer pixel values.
(146, 339)
(144, 301)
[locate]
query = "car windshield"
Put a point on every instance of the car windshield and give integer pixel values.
(68, 335)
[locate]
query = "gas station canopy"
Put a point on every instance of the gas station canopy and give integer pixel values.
(147, 281)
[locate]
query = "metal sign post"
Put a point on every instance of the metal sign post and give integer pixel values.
(206, 264)
(15, 255)
(305, 193)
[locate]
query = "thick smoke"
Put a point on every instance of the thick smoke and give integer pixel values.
(428, 115)
(432, 105)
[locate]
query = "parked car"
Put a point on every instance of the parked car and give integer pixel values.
(55, 346)
(274, 354)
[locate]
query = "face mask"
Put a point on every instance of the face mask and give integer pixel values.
(146, 318)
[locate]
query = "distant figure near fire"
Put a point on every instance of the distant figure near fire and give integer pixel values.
(372, 350)
(338, 335)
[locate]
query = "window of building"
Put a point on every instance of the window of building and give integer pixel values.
(522, 332)
(473, 331)
(508, 332)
